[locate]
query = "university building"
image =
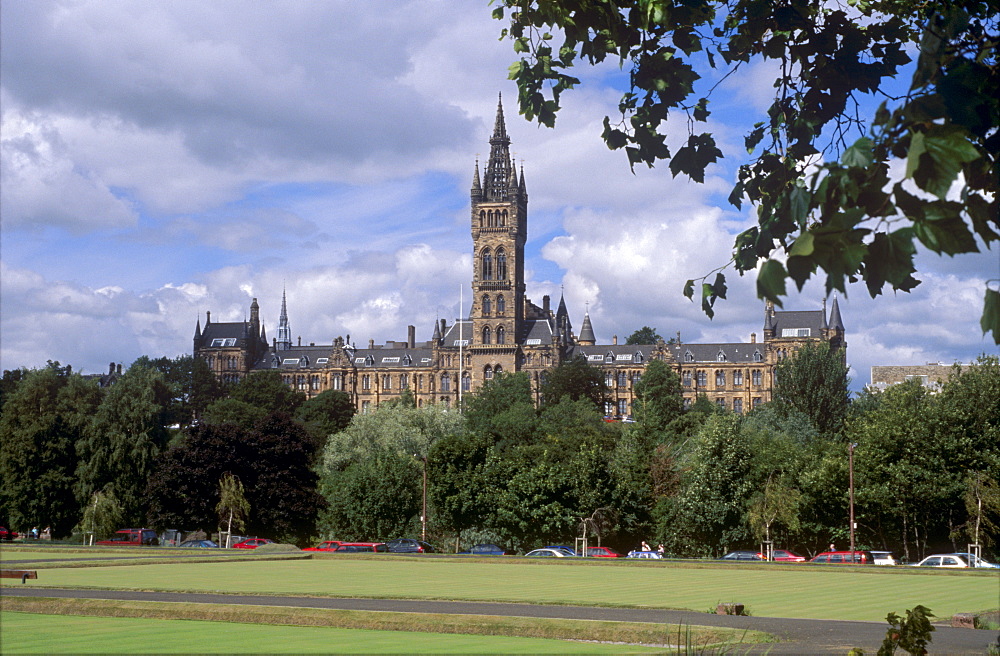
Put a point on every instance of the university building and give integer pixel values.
(506, 331)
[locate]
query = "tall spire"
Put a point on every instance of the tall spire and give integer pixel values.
(498, 168)
(836, 323)
(477, 188)
(587, 337)
(284, 341)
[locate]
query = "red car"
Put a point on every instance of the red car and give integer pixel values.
(329, 545)
(602, 552)
(7, 535)
(252, 543)
(785, 556)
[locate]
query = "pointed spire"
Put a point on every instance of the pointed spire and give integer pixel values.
(477, 188)
(263, 333)
(768, 316)
(824, 325)
(836, 322)
(496, 182)
(587, 337)
(522, 188)
(284, 341)
(512, 183)
(197, 329)
(436, 337)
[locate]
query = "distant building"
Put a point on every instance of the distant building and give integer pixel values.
(506, 331)
(931, 375)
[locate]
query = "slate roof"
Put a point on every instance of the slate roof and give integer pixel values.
(623, 354)
(792, 319)
(537, 329)
(709, 353)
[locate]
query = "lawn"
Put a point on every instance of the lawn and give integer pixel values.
(777, 591)
(53, 634)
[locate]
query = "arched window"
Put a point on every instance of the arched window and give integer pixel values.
(445, 383)
(501, 264)
(482, 219)
(386, 381)
(609, 378)
(757, 357)
(501, 335)
(702, 378)
(488, 373)
(487, 268)
(497, 370)
(503, 218)
(489, 216)
(687, 379)
(738, 377)
(404, 381)
(466, 382)
(501, 306)
(720, 378)
(487, 335)
(755, 377)
(622, 379)
(486, 306)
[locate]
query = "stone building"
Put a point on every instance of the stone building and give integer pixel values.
(931, 375)
(506, 331)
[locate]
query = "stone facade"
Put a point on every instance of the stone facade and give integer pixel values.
(505, 331)
(930, 375)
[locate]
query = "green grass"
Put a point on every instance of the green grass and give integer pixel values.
(798, 592)
(29, 633)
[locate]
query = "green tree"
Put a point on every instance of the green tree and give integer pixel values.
(193, 386)
(233, 508)
(644, 335)
(232, 411)
(44, 418)
(326, 413)
(267, 391)
(576, 379)
(120, 444)
(814, 382)
(102, 515)
(9, 382)
(503, 409)
(822, 202)
(658, 397)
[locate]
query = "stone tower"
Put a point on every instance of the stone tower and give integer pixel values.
(499, 231)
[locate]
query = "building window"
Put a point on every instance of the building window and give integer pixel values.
(487, 269)
(755, 377)
(314, 383)
(501, 306)
(702, 378)
(636, 378)
(420, 381)
(623, 407)
(501, 264)
(609, 378)
(622, 379)
(721, 357)
(497, 370)
(386, 382)
(445, 383)
(487, 335)
(609, 408)
(721, 402)
(338, 382)
(501, 335)
(486, 306)
(738, 377)
(365, 405)
(738, 406)
(686, 377)
(466, 382)
(756, 402)
(404, 381)
(757, 357)
(366, 382)
(687, 403)
(488, 373)
(720, 378)
(503, 218)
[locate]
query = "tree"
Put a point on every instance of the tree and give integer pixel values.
(267, 390)
(120, 444)
(644, 335)
(658, 397)
(326, 413)
(503, 409)
(44, 418)
(102, 515)
(233, 508)
(192, 385)
(821, 201)
(232, 411)
(577, 380)
(814, 382)
(774, 504)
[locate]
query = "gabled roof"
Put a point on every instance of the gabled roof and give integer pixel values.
(798, 319)
(460, 330)
(739, 352)
(537, 332)
(623, 354)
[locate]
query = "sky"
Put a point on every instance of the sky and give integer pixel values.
(161, 160)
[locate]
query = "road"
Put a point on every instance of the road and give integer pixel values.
(798, 636)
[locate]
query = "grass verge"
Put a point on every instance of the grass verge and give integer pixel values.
(598, 631)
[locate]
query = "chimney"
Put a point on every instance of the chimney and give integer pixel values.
(300, 340)
(444, 326)
(371, 343)
(111, 368)
(411, 336)
(545, 303)
(753, 338)
(208, 317)
(312, 343)
(614, 340)
(119, 369)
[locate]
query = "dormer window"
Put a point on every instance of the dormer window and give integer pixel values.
(688, 356)
(757, 357)
(369, 361)
(407, 360)
(637, 357)
(721, 356)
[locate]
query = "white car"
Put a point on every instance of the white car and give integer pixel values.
(942, 560)
(652, 555)
(976, 561)
(883, 558)
(548, 553)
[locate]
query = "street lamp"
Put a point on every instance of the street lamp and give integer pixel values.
(850, 469)
(423, 512)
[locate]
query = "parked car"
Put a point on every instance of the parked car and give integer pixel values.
(132, 537)
(602, 552)
(571, 550)
(883, 558)
(943, 560)
(485, 550)
(786, 556)
(742, 556)
(198, 544)
(361, 547)
(408, 545)
(7, 535)
(328, 545)
(548, 553)
(844, 557)
(252, 543)
(976, 561)
(649, 555)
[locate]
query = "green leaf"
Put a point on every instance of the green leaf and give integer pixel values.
(990, 321)
(913, 156)
(689, 289)
(803, 245)
(798, 205)
(946, 149)
(943, 230)
(719, 287)
(859, 154)
(771, 281)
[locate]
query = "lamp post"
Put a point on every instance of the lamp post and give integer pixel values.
(423, 511)
(850, 469)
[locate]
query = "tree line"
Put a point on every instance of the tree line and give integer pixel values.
(161, 441)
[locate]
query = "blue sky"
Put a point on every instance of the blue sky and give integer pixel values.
(164, 160)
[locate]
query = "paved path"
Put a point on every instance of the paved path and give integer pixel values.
(798, 636)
